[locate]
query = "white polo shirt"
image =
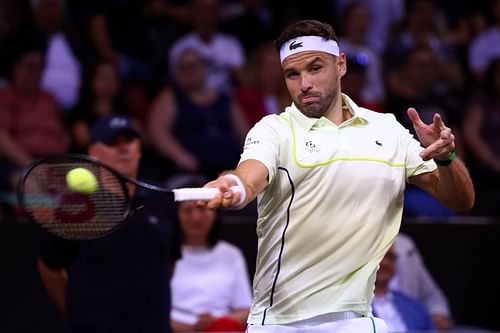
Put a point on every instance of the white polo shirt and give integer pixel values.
(331, 210)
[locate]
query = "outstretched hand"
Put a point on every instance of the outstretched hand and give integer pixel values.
(228, 196)
(436, 137)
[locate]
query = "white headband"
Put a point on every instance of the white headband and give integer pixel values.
(308, 43)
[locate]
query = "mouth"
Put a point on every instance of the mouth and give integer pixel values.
(309, 99)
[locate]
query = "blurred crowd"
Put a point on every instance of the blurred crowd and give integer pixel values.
(195, 75)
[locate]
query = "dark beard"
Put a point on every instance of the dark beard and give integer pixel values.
(318, 109)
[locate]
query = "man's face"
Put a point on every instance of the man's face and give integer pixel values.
(122, 154)
(28, 71)
(313, 81)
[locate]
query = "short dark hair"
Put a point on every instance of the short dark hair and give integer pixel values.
(195, 180)
(305, 28)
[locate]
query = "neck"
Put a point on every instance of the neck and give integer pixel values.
(195, 242)
(338, 113)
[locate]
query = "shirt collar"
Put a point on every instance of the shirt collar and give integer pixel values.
(359, 116)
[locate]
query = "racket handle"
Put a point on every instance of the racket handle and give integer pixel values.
(199, 193)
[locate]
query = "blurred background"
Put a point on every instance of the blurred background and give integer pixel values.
(64, 64)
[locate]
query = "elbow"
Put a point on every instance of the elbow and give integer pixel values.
(464, 203)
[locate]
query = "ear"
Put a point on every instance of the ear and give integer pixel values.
(342, 64)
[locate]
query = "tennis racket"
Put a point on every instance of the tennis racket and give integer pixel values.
(46, 198)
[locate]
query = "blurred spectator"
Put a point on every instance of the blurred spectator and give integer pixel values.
(118, 283)
(31, 124)
(355, 80)
(356, 21)
(413, 279)
(65, 55)
(210, 286)
(252, 22)
(416, 85)
(101, 96)
(194, 126)
(122, 31)
(400, 312)
(10, 17)
(224, 53)
(421, 28)
(485, 47)
(265, 91)
(384, 15)
(481, 128)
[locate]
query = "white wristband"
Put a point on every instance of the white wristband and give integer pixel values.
(240, 187)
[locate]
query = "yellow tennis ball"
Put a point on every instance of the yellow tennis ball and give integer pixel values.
(82, 180)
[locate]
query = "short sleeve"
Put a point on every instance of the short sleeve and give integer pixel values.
(415, 165)
(262, 144)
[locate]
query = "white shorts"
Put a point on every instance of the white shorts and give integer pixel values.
(355, 325)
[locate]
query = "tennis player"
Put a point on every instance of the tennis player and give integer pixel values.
(329, 177)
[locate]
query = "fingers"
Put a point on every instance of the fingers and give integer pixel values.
(438, 125)
(230, 198)
(414, 117)
(226, 198)
(438, 122)
(441, 148)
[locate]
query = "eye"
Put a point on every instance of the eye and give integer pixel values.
(316, 68)
(292, 75)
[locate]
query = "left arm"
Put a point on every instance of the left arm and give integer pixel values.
(450, 184)
(239, 315)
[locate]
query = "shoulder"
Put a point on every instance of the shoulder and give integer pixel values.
(221, 37)
(228, 249)
(378, 117)
(403, 243)
(273, 121)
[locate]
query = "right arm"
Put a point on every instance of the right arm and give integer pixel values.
(160, 124)
(254, 176)
(99, 35)
(55, 282)
(473, 124)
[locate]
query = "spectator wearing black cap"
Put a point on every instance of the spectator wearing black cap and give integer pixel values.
(118, 283)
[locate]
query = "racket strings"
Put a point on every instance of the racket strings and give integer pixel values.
(70, 214)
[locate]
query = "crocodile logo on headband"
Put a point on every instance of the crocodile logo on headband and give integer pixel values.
(295, 45)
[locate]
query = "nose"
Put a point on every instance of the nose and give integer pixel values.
(305, 83)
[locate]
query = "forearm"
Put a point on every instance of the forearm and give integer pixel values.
(239, 315)
(253, 175)
(454, 187)
(100, 37)
(178, 326)
(168, 146)
(55, 282)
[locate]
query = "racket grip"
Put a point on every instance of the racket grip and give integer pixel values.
(199, 193)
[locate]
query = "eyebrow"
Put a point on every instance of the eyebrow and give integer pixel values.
(310, 63)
